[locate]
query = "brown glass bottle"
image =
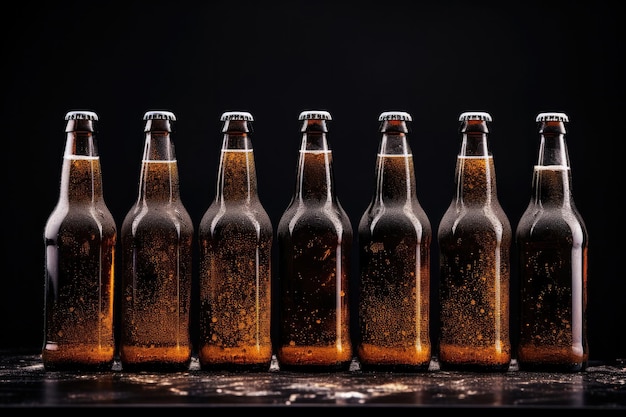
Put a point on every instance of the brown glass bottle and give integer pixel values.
(314, 238)
(552, 245)
(80, 237)
(235, 237)
(156, 239)
(394, 260)
(474, 239)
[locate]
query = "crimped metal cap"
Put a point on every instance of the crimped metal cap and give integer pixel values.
(159, 115)
(552, 117)
(395, 115)
(475, 115)
(315, 115)
(81, 115)
(236, 115)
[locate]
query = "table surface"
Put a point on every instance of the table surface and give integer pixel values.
(24, 383)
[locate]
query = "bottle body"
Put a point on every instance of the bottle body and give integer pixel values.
(394, 238)
(156, 240)
(474, 238)
(552, 244)
(80, 238)
(235, 238)
(314, 243)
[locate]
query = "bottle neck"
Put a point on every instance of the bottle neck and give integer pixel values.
(395, 173)
(552, 175)
(236, 179)
(475, 171)
(159, 169)
(314, 178)
(81, 178)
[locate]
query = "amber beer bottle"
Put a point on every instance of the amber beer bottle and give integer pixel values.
(394, 260)
(235, 239)
(474, 238)
(156, 238)
(80, 237)
(552, 242)
(314, 238)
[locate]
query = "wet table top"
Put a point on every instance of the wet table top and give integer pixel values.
(24, 383)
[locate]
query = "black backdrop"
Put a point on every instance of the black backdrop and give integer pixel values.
(275, 59)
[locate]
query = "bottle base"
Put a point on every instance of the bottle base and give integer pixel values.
(237, 368)
(155, 367)
(474, 367)
(78, 367)
(552, 367)
(304, 368)
(395, 368)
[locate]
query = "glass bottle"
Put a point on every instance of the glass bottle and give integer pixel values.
(80, 237)
(156, 240)
(552, 242)
(235, 237)
(474, 239)
(314, 243)
(394, 260)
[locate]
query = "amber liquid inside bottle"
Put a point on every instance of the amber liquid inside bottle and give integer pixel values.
(394, 248)
(315, 238)
(235, 272)
(474, 242)
(80, 239)
(553, 253)
(156, 240)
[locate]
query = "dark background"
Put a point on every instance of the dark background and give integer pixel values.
(275, 59)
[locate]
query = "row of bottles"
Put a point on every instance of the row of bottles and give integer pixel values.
(314, 240)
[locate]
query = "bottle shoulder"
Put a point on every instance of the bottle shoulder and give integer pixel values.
(158, 216)
(248, 208)
(314, 216)
(235, 216)
(77, 218)
(395, 216)
(475, 209)
(542, 222)
(307, 210)
(462, 219)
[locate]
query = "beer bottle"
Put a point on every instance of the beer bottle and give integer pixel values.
(394, 261)
(314, 237)
(552, 243)
(156, 239)
(235, 239)
(474, 238)
(80, 237)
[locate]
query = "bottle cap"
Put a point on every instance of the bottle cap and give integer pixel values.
(475, 115)
(315, 115)
(159, 115)
(236, 115)
(395, 115)
(552, 117)
(81, 115)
